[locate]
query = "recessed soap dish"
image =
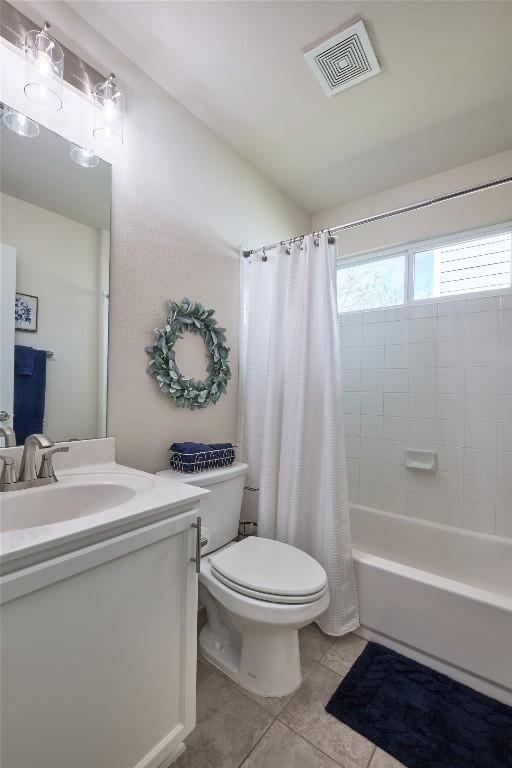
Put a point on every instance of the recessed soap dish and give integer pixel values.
(426, 461)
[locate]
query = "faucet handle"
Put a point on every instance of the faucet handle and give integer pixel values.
(8, 474)
(46, 468)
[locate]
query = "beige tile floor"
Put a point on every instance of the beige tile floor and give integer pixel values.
(237, 729)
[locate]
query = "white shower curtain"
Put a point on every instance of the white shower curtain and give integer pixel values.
(293, 417)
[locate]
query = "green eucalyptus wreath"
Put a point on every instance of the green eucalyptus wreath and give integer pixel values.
(189, 392)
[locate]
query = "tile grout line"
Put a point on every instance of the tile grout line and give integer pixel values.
(333, 759)
(276, 718)
(247, 756)
(265, 731)
(302, 736)
(290, 695)
(372, 756)
(273, 718)
(305, 740)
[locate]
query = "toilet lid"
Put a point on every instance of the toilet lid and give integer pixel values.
(268, 569)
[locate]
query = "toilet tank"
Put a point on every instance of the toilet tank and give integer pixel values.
(220, 512)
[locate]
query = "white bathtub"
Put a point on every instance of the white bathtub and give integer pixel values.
(438, 594)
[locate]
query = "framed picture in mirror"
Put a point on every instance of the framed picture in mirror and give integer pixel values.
(25, 312)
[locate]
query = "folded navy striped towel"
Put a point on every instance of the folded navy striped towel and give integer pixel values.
(195, 457)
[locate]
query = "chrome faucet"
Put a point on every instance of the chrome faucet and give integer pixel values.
(9, 437)
(28, 460)
(28, 476)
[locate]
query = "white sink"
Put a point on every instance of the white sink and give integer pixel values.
(73, 496)
(94, 499)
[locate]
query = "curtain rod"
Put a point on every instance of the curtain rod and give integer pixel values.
(388, 214)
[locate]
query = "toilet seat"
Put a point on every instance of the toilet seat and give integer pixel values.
(269, 597)
(256, 611)
(270, 571)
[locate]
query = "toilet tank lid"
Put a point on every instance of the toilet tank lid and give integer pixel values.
(208, 477)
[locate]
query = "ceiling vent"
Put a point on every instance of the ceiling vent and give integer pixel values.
(344, 60)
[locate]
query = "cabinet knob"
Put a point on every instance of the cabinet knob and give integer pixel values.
(4, 416)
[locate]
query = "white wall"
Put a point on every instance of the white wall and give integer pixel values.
(469, 212)
(437, 376)
(183, 205)
(57, 260)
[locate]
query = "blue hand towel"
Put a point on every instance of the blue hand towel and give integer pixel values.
(192, 457)
(29, 397)
(23, 360)
(188, 457)
(190, 447)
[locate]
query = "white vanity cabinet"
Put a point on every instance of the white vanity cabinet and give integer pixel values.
(98, 652)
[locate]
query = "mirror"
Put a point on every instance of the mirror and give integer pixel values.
(54, 288)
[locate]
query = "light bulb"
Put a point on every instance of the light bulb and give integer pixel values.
(84, 157)
(44, 70)
(107, 136)
(109, 111)
(43, 65)
(20, 124)
(108, 114)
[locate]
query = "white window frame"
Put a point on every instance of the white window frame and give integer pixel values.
(410, 249)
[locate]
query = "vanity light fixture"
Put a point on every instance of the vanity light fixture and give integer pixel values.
(44, 69)
(84, 157)
(109, 103)
(19, 123)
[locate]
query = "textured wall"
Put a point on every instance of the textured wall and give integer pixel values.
(183, 204)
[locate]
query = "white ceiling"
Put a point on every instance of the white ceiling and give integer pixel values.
(444, 96)
(40, 171)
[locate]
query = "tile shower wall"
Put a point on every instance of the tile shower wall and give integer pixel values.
(434, 376)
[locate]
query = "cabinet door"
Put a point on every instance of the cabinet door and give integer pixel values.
(99, 653)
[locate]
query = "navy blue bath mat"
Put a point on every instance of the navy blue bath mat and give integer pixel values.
(421, 717)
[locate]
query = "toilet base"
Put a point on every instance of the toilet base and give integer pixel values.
(265, 661)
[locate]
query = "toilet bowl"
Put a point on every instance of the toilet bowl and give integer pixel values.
(257, 593)
(252, 634)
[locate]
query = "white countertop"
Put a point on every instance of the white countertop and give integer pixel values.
(154, 498)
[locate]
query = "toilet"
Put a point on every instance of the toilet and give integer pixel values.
(257, 592)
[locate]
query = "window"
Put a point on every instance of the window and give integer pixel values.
(463, 263)
(378, 282)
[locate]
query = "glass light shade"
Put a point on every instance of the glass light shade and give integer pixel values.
(44, 70)
(20, 124)
(109, 105)
(84, 157)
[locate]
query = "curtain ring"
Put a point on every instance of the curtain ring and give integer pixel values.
(331, 239)
(264, 256)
